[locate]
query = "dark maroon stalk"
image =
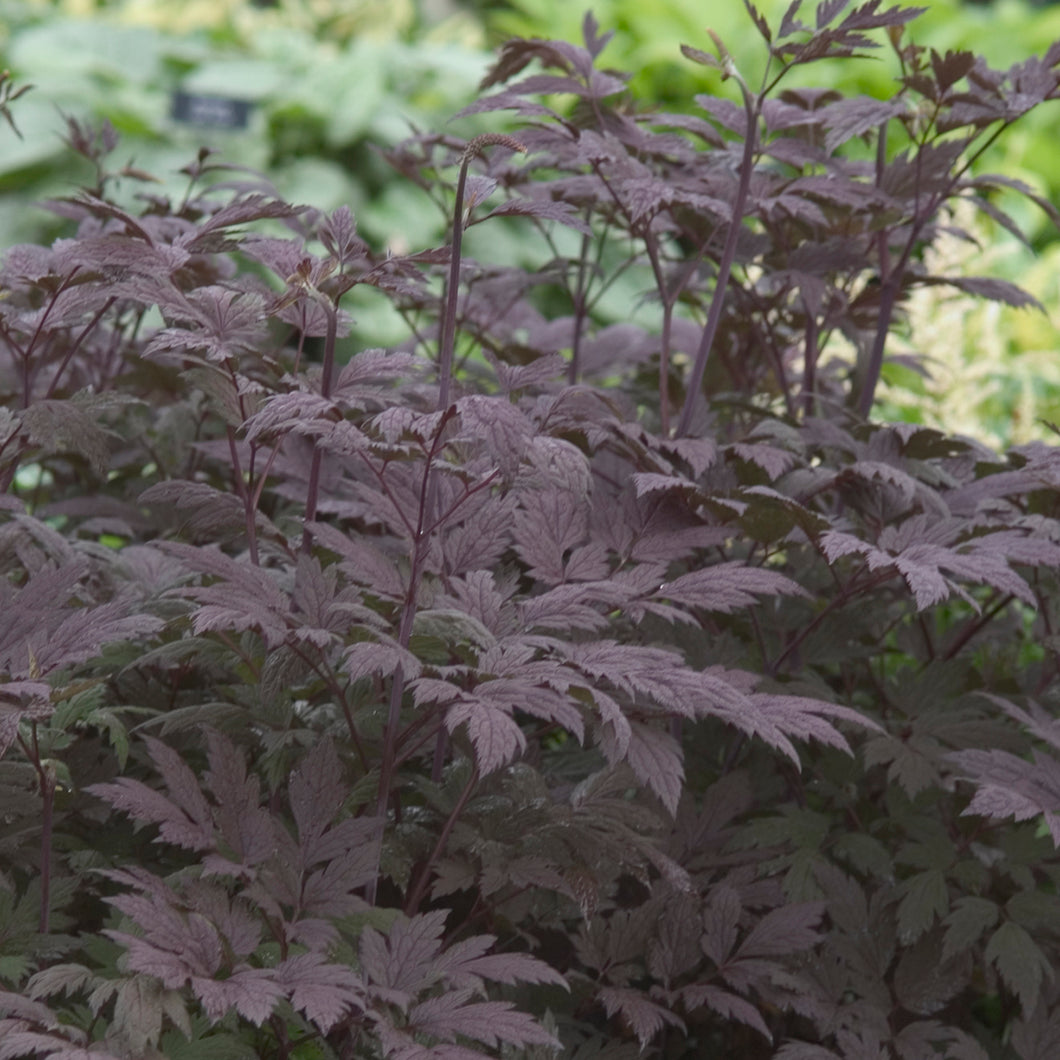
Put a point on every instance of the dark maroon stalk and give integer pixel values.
(77, 343)
(46, 782)
(452, 287)
(420, 545)
(580, 311)
(8, 476)
(419, 888)
(242, 493)
(975, 625)
(47, 819)
(874, 365)
(327, 373)
(728, 255)
(811, 344)
(668, 296)
(891, 276)
(27, 376)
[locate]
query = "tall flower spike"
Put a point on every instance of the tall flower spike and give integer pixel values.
(445, 347)
(476, 145)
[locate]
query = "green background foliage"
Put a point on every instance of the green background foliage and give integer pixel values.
(330, 79)
(996, 370)
(526, 663)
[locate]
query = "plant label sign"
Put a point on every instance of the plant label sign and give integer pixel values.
(215, 112)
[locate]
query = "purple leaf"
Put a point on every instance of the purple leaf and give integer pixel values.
(1020, 962)
(365, 658)
(499, 426)
(185, 819)
(338, 233)
(720, 925)
(727, 587)
(656, 760)
(849, 118)
(326, 993)
(543, 209)
(995, 289)
(404, 960)
(510, 968)
(1009, 786)
(547, 524)
(246, 826)
(725, 1004)
(489, 1022)
(317, 790)
(789, 929)
(252, 992)
(644, 1017)
(495, 736)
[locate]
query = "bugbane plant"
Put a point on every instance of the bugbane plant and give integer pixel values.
(552, 684)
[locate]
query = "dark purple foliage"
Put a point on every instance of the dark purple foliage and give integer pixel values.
(554, 684)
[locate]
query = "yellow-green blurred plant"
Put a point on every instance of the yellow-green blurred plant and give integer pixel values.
(324, 83)
(648, 35)
(325, 79)
(336, 21)
(986, 370)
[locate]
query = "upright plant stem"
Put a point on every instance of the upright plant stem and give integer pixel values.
(890, 277)
(874, 365)
(419, 888)
(426, 520)
(77, 344)
(420, 545)
(728, 255)
(313, 491)
(46, 782)
(452, 290)
(891, 274)
(448, 341)
(580, 310)
(809, 369)
(452, 287)
(249, 510)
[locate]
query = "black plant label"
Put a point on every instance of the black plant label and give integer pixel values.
(214, 112)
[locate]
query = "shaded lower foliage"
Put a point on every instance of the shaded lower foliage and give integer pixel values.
(446, 702)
